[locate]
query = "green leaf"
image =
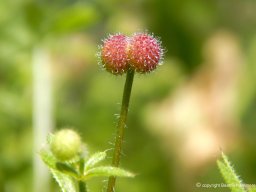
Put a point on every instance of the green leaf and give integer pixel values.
(229, 175)
(107, 171)
(65, 168)
(52, 163)
(94, 159)
(66, 182)
(48, 158)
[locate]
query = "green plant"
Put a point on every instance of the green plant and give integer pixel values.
(119, 54)
(67, 157)
(73, 172)
(231, 178)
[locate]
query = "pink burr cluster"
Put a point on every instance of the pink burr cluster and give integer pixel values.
(141, 52)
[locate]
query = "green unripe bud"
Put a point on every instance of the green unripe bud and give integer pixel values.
(65, 144)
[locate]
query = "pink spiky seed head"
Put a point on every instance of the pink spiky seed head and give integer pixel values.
(113, 54)
(145, 52)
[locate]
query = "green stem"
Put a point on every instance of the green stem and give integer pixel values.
(121, 126)
(81, 184)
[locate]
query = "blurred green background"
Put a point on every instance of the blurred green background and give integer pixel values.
(86, 97)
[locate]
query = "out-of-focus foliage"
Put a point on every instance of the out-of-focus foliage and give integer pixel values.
(87, 98)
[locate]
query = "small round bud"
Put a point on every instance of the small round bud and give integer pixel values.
(145, 52)
(65, 144)
(113, 54)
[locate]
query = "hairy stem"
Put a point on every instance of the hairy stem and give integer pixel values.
(121, 126)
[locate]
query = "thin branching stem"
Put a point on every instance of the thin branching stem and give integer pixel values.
(121, 126)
